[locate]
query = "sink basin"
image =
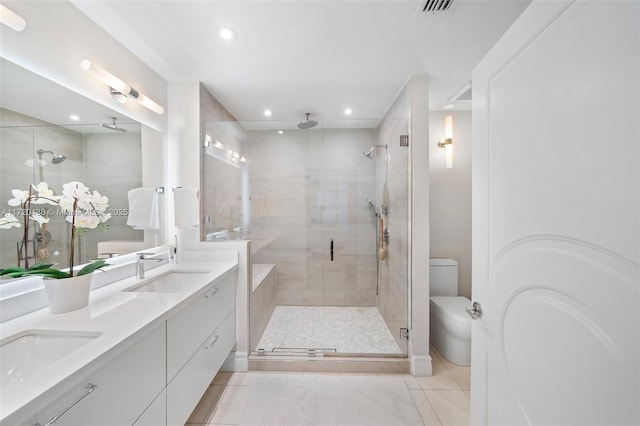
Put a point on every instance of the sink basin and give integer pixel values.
(24, 354)
(168, 283)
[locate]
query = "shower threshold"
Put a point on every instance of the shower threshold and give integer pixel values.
(299, 351)
(306, 360)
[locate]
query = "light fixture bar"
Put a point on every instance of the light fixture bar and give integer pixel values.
(11, 19)
(120, 86)
(447, 142)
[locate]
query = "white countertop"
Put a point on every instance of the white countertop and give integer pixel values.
(121, 317)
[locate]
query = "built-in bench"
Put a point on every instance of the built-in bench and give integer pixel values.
(262, 300)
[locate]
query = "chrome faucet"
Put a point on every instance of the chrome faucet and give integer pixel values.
(142, 258)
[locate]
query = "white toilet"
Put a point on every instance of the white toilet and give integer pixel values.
(450, 325)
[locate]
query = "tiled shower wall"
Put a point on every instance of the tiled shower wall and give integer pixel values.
(112, 166)
(308, 187)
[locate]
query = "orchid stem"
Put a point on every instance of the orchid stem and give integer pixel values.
(25, 237)
(73, 236)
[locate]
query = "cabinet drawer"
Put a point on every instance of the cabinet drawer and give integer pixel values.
(188, 386)
(156, 413)
(187, 330)
(124, 387)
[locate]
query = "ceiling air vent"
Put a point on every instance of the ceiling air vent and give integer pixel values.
(433, 6)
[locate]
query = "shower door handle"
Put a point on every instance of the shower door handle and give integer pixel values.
(331, 250)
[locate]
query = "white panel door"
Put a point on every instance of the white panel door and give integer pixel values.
(556, 225)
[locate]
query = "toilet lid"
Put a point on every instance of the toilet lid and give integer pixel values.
(452, 307)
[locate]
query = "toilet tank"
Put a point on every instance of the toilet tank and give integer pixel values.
(443, 277)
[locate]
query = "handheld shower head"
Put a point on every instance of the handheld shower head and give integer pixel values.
(369, 154)
(307, 124)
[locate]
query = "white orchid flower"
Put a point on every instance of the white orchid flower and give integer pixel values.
(71, 192)
(100, 202)
(39, 218)
(105, 217)
(19, 197)
(44, 195)
(9, 221)
(85, 221)
(75, 190)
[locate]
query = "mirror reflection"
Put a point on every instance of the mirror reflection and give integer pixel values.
(40, 142)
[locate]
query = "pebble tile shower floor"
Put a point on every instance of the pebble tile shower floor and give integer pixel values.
(343, 329)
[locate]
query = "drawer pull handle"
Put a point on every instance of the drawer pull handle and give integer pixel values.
(213, 293)
(90, 387)
(212, 343)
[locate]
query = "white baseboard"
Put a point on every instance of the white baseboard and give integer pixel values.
(236, 361)
(421, 365)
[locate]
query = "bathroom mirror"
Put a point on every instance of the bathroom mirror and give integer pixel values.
(51, 134)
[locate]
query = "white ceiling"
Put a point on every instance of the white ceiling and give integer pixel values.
(308, 55)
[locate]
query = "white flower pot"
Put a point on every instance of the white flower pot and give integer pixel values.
(68, 294)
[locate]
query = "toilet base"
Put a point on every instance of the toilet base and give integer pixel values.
(455, 349)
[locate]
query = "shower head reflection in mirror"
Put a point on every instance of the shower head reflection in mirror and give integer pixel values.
(55, 158)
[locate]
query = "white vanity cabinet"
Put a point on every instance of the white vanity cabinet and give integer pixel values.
(199, 340)
(188, 329)
(157, 373)
(124, 388)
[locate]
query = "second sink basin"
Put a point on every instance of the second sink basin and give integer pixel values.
(168, 283)
(23, 354)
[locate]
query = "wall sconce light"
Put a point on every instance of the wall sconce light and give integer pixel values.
(11, 19)
(119, 89)
(447, 142)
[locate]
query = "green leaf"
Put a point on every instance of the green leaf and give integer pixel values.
(49, 273)
(41, 265)
(17, 274)
(92, 267)
(12, 270)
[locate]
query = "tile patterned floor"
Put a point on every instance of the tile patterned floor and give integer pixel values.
(323, 327)
(276, 398)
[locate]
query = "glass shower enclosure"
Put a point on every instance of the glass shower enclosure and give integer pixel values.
(326, 211)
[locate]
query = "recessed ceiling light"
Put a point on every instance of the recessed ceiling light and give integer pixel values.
(449, 106)
(281, 132)
(74, 117)
(348, 111)
(227, 33)
(267, 113)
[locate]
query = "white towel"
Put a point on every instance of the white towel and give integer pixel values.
(186, 208)
(143, 209)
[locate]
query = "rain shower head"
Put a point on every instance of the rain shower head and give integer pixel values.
(307, 124)
(55, 158)
(113, 126)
